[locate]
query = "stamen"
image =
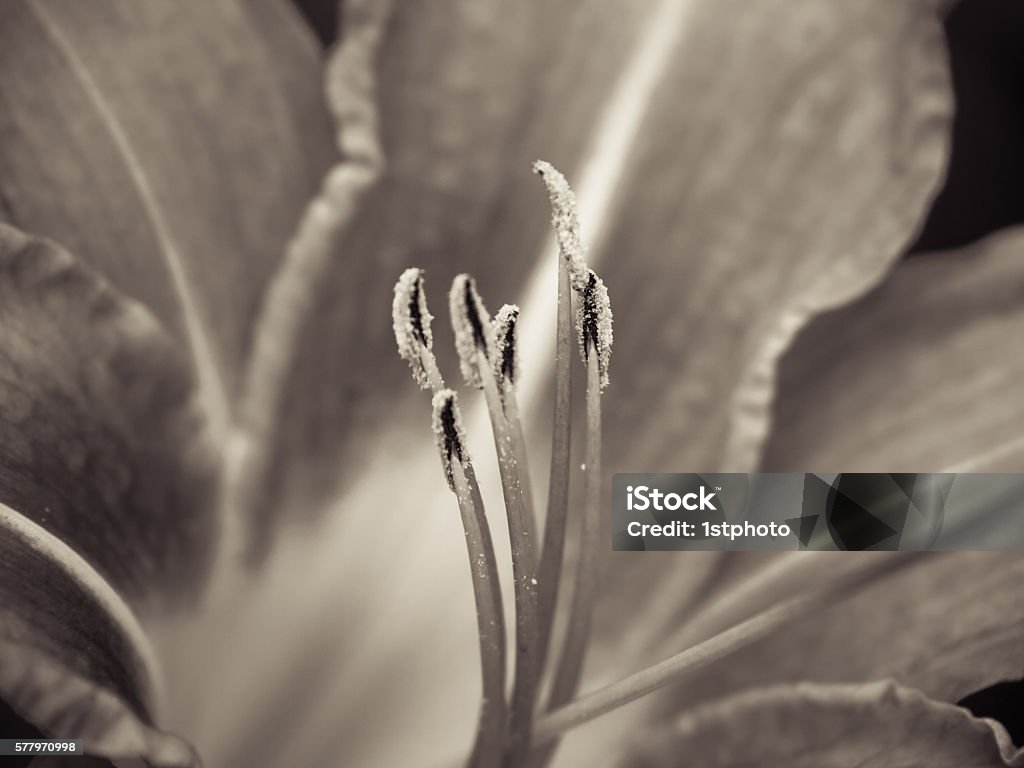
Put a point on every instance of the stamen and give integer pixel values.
(411, 320)
(448, 433)
(472, 326)
(474, 341)
(570, 664)
(722, 645)
(549, 572)
(506, 371)
(474, 336)
(565, 221)
(594, 324)
(451, 442)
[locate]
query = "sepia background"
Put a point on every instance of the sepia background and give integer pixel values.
(223, 521)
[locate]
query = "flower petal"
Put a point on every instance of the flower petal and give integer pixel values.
(172, 146)
(921, 373)
(878, 725)
(102, 442)
(953, 625)
(73, 661)
(802, 169)
(107, 491)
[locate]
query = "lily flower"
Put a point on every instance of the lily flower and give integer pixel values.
(224, 531)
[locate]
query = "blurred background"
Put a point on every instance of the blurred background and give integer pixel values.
(984, 190)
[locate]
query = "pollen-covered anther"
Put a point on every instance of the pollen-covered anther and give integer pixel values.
(474, 336)
(565, 221)
(594, 323)
(412, 320)
(506, 341)
(451, 440)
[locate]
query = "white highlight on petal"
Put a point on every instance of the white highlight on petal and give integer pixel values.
(599, 178)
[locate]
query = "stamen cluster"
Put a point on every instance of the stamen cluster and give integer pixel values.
(488, 353)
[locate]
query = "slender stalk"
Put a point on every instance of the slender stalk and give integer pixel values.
(679, 666)
(587, 571)
(458, 470)
(524, 690)
(550, 568)
(505, 364)
(490, 737)
(515, 429)
(570, 663)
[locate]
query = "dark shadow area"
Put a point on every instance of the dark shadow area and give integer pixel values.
(1003, 702)
(984, 190)
(322, 16)
(13, 727)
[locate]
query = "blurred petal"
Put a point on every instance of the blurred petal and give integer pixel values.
(916, 375)
(170, 145)
(949, 647)
(807, 141)
(73, 661)
(101, 439)
(107, 487)
(878, 725)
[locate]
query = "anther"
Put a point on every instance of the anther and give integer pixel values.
(506, 361)
(411, 320)
(594, 324)
(472, 325)
(448, 433)
(565, 221)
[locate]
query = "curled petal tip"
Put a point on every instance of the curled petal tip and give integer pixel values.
(472, 325)
(411, 320)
